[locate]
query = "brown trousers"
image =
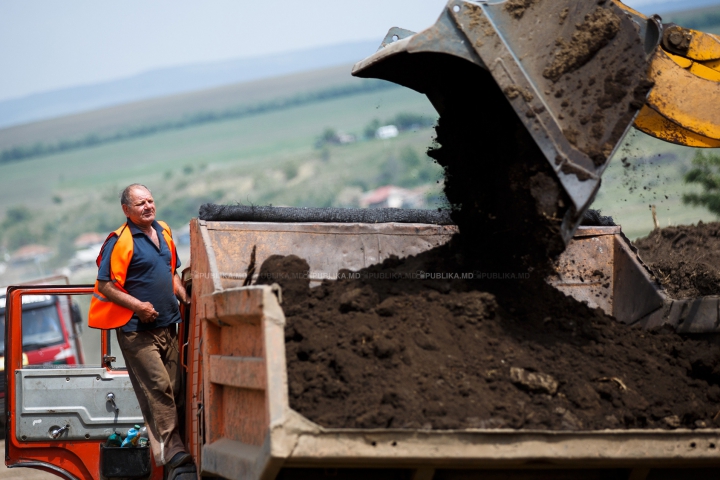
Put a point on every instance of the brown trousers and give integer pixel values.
(152, 360)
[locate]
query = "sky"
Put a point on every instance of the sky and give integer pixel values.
(49, 44)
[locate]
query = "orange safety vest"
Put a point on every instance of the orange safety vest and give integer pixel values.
(105, 314)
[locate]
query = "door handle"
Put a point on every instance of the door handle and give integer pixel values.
(182, 355)
(111, 398)
(55, 434)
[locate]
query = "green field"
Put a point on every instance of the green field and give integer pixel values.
(250, 147)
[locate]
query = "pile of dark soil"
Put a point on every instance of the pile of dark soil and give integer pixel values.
(387, 350)
(684, 259)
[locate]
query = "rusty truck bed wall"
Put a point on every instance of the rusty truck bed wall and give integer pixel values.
(602, 268)
(249, 429)
(327, 247)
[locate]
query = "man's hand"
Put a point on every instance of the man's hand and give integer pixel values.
(146, 312)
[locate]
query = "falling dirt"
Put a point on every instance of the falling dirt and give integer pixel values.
(389, 350)
(504, 195)
(684, 259)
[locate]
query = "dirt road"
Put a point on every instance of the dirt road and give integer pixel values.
(22, 473)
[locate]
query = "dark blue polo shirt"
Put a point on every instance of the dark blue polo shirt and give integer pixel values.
(148, 277)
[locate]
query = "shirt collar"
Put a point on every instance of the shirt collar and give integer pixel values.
(134, 229)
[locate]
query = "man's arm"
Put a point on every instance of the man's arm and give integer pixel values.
(180, 292)
(144, 310)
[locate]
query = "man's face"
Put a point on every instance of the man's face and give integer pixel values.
(142, 207)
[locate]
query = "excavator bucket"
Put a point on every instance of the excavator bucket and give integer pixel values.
(575, 72)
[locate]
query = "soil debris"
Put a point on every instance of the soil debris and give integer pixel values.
(580, 173)
(534, 382)
(517, 8)
(504, 195)
(599, 27)
(684, 259)
(564, 15)
(477, 19)
(512, 92)
(595, 218)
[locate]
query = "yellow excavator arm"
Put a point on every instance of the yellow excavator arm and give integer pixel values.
(684, 105)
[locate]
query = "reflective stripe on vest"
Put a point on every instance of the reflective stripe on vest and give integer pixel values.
(105, 314)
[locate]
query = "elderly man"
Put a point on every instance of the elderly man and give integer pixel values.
(137, 293)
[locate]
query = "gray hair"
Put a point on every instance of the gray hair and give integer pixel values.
(125, 194)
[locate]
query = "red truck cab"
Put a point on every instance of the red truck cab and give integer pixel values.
(50, 330)
(61, 410)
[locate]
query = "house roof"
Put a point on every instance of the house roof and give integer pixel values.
(31, 252)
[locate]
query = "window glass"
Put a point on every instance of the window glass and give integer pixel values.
(53, 333)
(41, 328)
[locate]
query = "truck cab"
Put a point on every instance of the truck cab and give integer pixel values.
(61, 408)
(50, 330)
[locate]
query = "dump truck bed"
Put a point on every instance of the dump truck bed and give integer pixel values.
(250, 430)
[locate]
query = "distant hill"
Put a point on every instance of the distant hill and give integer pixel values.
(102, 122)
(176, 80)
